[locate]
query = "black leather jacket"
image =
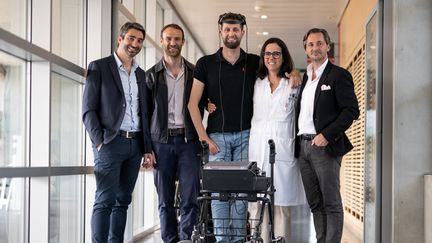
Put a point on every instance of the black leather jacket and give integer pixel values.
(155, 79)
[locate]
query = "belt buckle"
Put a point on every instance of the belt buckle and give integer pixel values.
(171, 132)
(129, 134)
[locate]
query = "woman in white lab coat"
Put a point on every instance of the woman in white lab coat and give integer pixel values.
(274, 118)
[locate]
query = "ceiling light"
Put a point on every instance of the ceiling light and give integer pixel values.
(257, 8)
(264, 16)
(262, 33)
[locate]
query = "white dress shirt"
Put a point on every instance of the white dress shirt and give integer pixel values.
(305, 120)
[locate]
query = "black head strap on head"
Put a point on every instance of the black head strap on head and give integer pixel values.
(232, 18)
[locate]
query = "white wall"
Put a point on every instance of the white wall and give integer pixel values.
(412, 116)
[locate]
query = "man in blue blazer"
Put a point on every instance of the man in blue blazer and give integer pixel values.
(326, 108)
(115, 107)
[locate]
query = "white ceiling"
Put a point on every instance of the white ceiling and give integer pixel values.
(287, 19)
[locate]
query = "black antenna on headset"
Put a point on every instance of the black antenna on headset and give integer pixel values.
(221, 103)
(243, 88)
(220, 21)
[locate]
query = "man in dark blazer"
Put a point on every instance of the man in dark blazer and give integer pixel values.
(115, 107)
(326, 108)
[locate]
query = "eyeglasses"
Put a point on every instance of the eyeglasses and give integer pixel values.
(275, 54)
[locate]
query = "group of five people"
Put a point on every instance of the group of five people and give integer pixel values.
(155, 119)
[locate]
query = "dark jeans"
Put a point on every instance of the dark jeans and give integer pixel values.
(116, 169)
(177, 160)
(320, 174)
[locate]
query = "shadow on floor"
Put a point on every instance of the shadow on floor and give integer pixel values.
(302, 229)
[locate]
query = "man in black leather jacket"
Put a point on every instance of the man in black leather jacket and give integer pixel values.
(174, 139)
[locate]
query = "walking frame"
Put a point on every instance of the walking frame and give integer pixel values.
(215, 186)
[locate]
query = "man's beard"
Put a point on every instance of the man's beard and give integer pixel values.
(232, 45)
(173, 52)
(317, 56)
(131, 53)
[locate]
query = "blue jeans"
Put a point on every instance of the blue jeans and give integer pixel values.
(229, 218)
(177, 160)
(320, 175)
(116, 169)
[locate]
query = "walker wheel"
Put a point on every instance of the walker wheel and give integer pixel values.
(279, 239)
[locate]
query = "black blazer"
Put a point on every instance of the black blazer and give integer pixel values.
(104, 103)
(335, 108)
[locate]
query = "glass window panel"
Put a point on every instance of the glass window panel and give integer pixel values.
(159, 20)
(129, 4)
(159, 55)
(12, 210)
(12, 111)
(13, 16)
(137, 203)
(66, 209)
(122, 19)
(371, 203)
(67, 29)
(140, 7)
(140, 58)
(66, 124)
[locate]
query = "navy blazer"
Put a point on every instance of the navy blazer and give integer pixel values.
(104, 103)
(335, 108)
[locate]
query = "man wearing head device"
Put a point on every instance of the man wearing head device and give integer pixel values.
(226, 78)
(232, 18)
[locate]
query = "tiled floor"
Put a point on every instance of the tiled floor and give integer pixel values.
(302, 229)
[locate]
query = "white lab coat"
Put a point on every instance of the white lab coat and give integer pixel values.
(273, 118)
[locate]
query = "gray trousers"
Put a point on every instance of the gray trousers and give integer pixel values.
(320, 175)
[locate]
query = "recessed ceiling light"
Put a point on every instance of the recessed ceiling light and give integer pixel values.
(262, 33)
(264, 16)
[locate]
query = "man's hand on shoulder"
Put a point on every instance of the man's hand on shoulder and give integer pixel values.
(211, 107)
(294, 78)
